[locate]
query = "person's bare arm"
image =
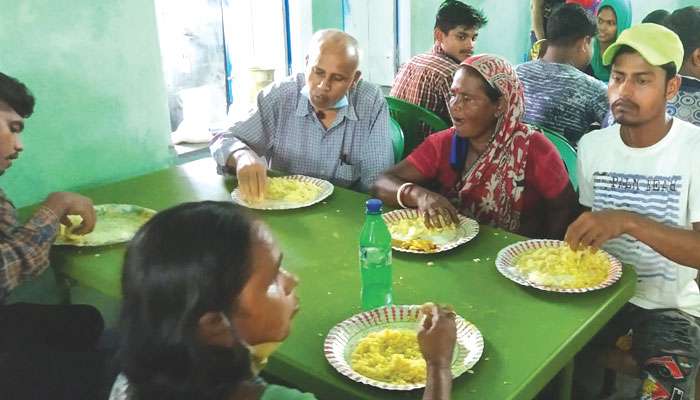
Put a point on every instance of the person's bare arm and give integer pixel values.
(433, 206)
(436, 339)
(595, 228)
(438, 384)
(388, 183)
(560, 212)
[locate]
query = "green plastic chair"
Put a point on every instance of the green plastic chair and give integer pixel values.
(412, 118)
(567, 153)
(397, 140)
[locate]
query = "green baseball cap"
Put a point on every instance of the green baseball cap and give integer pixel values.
(657, 44)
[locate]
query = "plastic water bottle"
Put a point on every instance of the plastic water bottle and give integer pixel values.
(375, 258)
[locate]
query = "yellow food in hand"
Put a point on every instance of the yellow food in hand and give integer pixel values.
(291, 190)
(562, 267)
(67, 231)
(411, 233)
(390, 355)
(414, 228)
(110, 227)
(259, 354)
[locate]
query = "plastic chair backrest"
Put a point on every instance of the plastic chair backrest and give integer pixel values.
(397, 140)
(413, 119)
(567, 153)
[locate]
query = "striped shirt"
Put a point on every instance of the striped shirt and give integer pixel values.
(121, 391)
(425, 80)
(561, 98)
(352, 152)
(24, 248)
(686, 103)
(660, 182)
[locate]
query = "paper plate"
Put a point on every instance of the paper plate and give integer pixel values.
(505, 263)
(468, 229)
(325, 186)
(343, 338)
(116, 223)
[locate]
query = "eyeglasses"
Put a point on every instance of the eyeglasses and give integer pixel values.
(461, 99)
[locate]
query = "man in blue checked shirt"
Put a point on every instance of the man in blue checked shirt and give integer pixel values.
(325, 123)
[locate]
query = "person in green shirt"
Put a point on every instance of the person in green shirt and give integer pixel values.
(204, 294)
(614, 16)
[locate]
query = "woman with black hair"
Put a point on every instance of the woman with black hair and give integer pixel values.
(203, 288)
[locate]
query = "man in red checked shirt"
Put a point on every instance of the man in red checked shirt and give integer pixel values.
(46, 351)
(426, 78)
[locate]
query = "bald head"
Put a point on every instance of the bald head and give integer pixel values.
(335, 43)
(331, 67)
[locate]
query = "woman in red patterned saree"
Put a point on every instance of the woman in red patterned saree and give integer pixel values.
(489, 166)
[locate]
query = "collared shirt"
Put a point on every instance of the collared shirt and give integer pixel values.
(425, 80)
(24, 248)
(686, 103)
(561, 98)
(352, 152)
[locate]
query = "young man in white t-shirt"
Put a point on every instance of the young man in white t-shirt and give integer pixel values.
(640, 179)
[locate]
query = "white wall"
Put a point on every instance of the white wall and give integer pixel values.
(404, 30)
(371, 22)
(255, 36)
(301, 31)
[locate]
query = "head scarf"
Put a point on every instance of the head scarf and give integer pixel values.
(623, 14)
(590, 5)
(497, 176)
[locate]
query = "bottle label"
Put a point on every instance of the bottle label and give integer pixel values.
(374, 257)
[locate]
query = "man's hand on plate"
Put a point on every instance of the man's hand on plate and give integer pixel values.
(252, 175)
(64, 204)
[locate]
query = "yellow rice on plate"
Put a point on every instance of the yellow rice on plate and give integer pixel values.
(290, 190)
(390, 355)
(411, 233)
(116, 223)
(562, 267)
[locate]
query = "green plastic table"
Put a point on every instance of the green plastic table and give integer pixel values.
(530, 335)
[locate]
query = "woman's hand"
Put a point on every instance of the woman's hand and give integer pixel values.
(437, 336)
(437, 211)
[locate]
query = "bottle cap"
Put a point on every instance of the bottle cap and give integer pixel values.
(374, 206)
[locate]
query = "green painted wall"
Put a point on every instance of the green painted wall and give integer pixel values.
(326, 14)
(95, 69)
(640, 8)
